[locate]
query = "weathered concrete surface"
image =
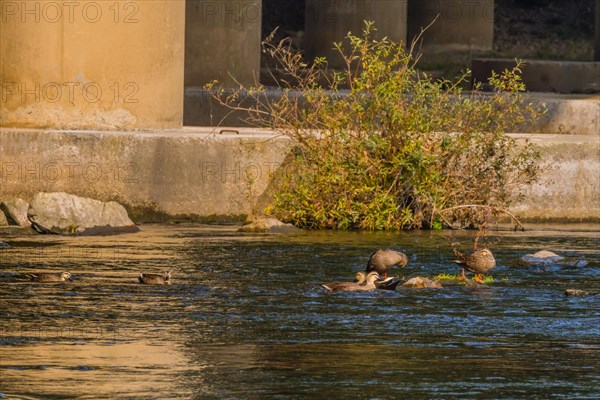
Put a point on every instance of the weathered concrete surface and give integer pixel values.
(91, 64)
(545, 75)
(569, 188)
(574, 114)
(204, 172)
(194, 171)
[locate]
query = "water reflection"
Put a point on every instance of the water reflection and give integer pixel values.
(245, 318)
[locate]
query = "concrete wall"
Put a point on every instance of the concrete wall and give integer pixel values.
(204, 172)
(569, 188)
(222, 41)
(190, 171)
(330, 21)
(91, 64)
(545, 75)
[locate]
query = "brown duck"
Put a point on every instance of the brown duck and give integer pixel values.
(155, 279)
(48, 277)
(383, 260)
(386, 283)
(367, 284)
(479, 262)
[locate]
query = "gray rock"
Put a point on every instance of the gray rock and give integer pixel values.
(270, 225)
(15, 210)
(418, 282)
(4, 245)
(577, 292)
(66, 214)
(14, 230)
(3, 220)
(542, 257)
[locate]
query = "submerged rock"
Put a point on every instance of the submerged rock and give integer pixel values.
(467, 283)
(15, 210)
(419, 282)
(541, 257)
(270, 225)
(577, 292)
(67, 214)
(4, 245)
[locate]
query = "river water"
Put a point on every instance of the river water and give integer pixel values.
(246, 318)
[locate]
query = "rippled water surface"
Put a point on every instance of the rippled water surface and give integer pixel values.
(245, 318)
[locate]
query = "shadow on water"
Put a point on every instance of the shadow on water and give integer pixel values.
(246, 318)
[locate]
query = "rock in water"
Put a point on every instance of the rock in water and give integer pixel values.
(270, 225)
(419, 282)
(15, 210)
(3, 220)
(67, 214)
(577, 292)
(542, 257)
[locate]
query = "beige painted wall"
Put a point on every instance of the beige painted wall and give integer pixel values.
(92, 64)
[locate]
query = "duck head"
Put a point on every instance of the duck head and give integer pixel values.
(360, 277)
(371, 278)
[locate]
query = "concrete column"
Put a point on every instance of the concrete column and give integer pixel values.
(461, 24)
(223, 41)
(329, 21)
(597, 31)
(91, 64)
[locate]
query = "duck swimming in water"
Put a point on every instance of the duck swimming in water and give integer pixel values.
(382, 260)
(479, 262)
(387, 283)
(155, 279)
(368, 284)
(47, 277)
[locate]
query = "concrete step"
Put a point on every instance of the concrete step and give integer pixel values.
(574, 114)
(205, 172)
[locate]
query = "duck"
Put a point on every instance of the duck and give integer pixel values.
(47, 277)
(382, 260)
(155, 279)
(368, 284)
(387, 284)
(480, 262)
(360, 277)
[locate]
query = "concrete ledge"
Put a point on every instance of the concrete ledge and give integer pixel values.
(192, 171)
(205, 172)
(545, 75)
(569, 187)
(574, 114)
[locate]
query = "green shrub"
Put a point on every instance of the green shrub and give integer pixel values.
(381, 146)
